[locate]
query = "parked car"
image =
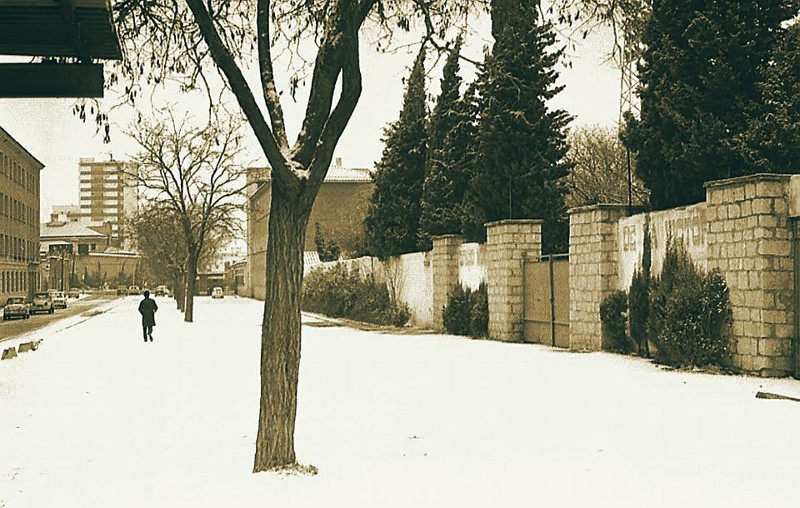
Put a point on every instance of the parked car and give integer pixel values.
(59, 298)
(42, 303)
(122, 290)
(217, 292)
(162, 291)
(74, 293)
(134, 290)
(16, 306)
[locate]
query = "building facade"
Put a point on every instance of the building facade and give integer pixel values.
(339, 212)
(19, 219)
(108, 194)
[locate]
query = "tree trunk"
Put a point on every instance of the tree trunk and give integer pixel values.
(191, 284)
(280, 336)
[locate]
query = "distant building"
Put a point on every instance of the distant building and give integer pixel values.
(108, 194)
(82, 254)
(340, 209)
(19, 219)
(67, 213)
(82, 238)
(234, 277)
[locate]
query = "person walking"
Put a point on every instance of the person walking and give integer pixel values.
(148, 308)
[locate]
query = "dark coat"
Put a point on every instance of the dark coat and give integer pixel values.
(148, 308)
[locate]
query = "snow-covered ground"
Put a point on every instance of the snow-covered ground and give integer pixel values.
(97, 418)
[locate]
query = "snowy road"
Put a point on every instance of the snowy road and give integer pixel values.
(97, 418)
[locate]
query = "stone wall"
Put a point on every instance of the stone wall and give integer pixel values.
(593, 269)
(446, 255)
(508, 241)
(744, 229)
(750, 242)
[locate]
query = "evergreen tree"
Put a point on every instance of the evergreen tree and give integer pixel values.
(461, 153)
(700, 75)
(443, 189)
(772, 143)
(392, 221)
(521, 142)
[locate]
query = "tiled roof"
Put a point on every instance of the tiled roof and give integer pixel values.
(341, 174)
(68, 230)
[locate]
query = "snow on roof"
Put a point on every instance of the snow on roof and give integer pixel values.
(336, 173)
(68, 230)
(341, 174)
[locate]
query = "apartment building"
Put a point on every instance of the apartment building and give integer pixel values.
(19, 219)
(108, 194)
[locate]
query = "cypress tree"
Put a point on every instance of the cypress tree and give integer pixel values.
(392, 223)
(772, 143)
(521, 142)
(700, 75)
(443, 189)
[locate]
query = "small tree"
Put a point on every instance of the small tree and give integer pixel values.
(689, 312)
(194, 172)
(393, 217)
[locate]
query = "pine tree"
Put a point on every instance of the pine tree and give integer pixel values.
(772, 143)
(703, 62)
(522, 143)
(392, 222)
(443, 189)
(461, 152)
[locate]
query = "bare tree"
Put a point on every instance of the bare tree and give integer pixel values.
(170, 36)
(196, 175)
(600, 170)
(153, 228)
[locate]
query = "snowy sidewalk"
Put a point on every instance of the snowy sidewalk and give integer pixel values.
(97, 418)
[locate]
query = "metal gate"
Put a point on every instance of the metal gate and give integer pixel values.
(545, 284)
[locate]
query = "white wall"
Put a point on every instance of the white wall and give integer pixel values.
(472, 265)
(686, 223)
(411, 275)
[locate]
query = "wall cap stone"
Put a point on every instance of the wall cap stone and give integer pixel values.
(444, 237)
(513, 221)
(605, 206)
(738, 180)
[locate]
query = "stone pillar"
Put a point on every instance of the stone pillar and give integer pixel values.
(750, 243)
(508, 241)
(446, 254)
(593, 270)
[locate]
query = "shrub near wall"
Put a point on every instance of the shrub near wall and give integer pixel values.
(689, 312)
(614, 316)
(467, 311)
(339, 292)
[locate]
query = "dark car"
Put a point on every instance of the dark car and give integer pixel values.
(16, 306)
(42, 303)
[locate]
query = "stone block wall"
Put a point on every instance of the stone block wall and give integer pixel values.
(593, 269)
(508, 241)
(446, 256)
(750, 242)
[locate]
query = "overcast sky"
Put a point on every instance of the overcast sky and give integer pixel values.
(48, 129)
